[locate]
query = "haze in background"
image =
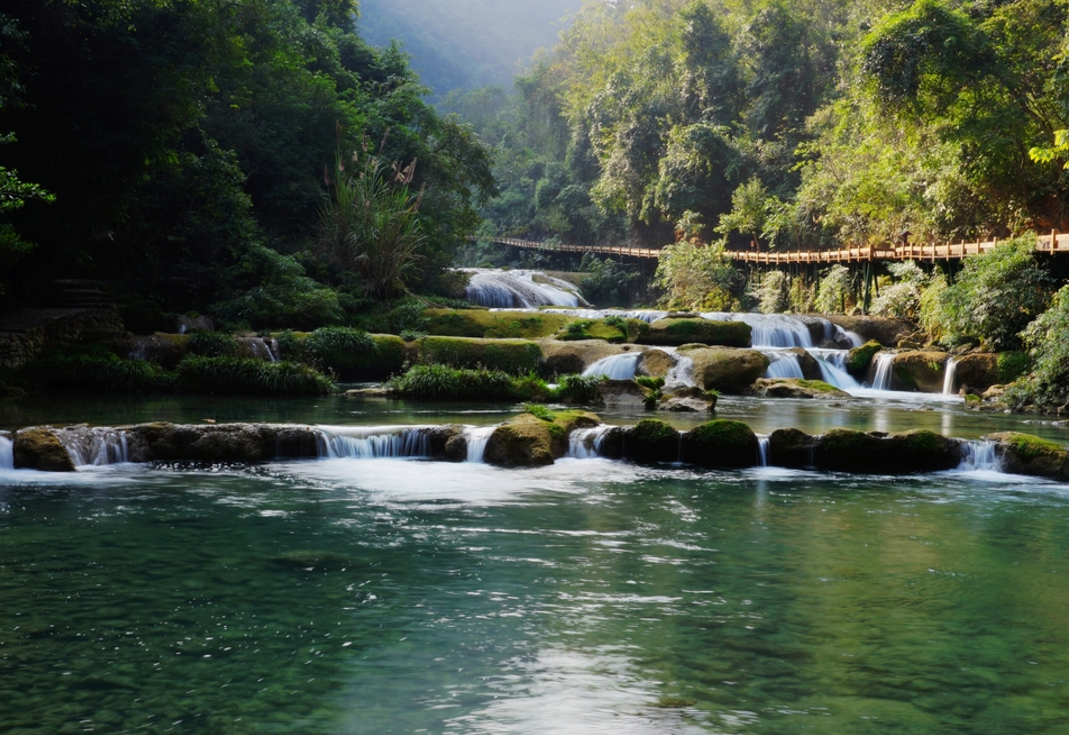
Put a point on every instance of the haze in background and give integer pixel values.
(465, 44)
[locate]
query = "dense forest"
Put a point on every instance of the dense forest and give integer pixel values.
(191, 153)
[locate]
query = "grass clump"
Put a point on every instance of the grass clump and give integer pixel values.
(93, 368)
(576, 388)
(438, 382)
(236, 375)
(212, 344)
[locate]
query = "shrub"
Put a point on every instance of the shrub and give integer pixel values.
(1046, 337)
(96, 369)
(770, 289)
(511, 356)
(901, 299)
(238, 375)
(212, 344)
(834, 293)
(576, 388)
(438, 382)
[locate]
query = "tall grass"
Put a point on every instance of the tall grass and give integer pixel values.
(236, 375)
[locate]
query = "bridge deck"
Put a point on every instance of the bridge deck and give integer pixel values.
(1052, 243)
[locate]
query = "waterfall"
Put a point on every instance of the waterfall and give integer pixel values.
(586, 443)
(7, 454)
(762, 451)
(261, 349)
(616, 367)
(884, 361)
(681, 373)
(478, 437)
(979, 455)
(97, 446)
(783, 365)
(768, 330)
(508, 289)
(948, 376)
(373, 442)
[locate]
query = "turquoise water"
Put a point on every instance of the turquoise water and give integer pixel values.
(390, 596)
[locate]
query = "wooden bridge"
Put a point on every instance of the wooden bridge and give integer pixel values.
(1052, 243)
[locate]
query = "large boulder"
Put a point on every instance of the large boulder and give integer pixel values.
(976, 372)
(652, 440)
(448, 443)
(529, 441)
(727, 369)
(622, 394)
(797, 388)
(565, 358)
(38, 448)
(1024, 454)
(163, 441)
(919, 371)
(678, 332)
(655, 363)
(791, 448)
(847, 450)
(859, 359)
(721, 443)
(888, 332)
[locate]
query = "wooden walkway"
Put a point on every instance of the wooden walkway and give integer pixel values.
(1052, 243)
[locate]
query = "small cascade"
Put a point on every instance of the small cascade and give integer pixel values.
(586, 443)
(883, 361)
(519, 289)
(783, 365)
(616, 367)
(7, 454)
(97, 446)
(769, 330)
(261, 349)
(478, 437)
(762, 451)
(979, 455)
(832, 364)
(373, 442)
(681, 374)
(948, 376)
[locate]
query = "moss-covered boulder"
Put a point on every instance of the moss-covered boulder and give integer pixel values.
(677, 332)
(566, 358)
(1024, 454)
(622, 394)
(448, 443)
(978, 371)
(652, 440)
(721, 443)
(162, 441)
(523, 441)
(791, 448)
(859, 359)
(507, 355)
(919, 370)
(38, 448)
(493, 324)
(797, 388)
(726, 369)
(875, 452)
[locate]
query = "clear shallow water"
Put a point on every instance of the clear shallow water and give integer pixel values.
(391, 596)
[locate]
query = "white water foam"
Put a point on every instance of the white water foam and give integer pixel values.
(98, 446)
(508, 289)
(783, 365)
(586, 443)
(368, 442)
(478, 437)
(979, 456)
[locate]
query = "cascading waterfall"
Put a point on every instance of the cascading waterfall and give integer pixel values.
(883, 361)
(783, 365)
(681, 374)
(948, 376)
(586, 443)
(762, 451)
(262, 349)
(979, 455)
(373, 442)
(94, 446)
(478, 437)
(616, 367)
(509, 289)
(7, 454)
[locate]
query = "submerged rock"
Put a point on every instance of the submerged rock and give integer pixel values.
(38, 448)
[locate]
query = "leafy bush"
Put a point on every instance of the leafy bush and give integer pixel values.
(236, 375)
(834, 291)
(212, 344)
(695, 275)
(995, 296)
(95, 369)
(901, 298)
(441, 382)
(576, 388)
(771, 289)
(1048, 341)
(338, 343)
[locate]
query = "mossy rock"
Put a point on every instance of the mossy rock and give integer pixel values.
(1025, 454)
(797, 388)
(507, 355)
(859, 358)
(886, 331)
(791, 448)
(162, 441)
(919, 370)
(1009, 366)
(523, 441)
(493, 324)
(37, 448)
(978, 371)
(652, 440)
(726, 369)
(678, 332)
(875, 452)
(846, 450)
(655, 363)
(721, 443)
(448, 443)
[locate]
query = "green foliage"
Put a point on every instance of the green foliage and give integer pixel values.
(576, 330)
(995, 296)
(581, 389)
(236, 375)
(1012, 365)
(441, 382)
(1047, 339)
(328, 343)
(901, 298)
(860, 358)
(694, 275)
(212, 344)
(539, 410)
(834, 291)
(93, 368)
(771, 290)
(511, 356)
(649, 381)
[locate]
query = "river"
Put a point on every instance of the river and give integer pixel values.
(350, 596)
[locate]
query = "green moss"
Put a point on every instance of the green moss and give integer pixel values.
(818, 385)
(859, 358)
(923, 442)
(1012, 365)
(653, 440)
(491, 324)
(678, 332)
(511, 356)
(721, 443)
(539, 410)
(846, 441)
(236, 375)
(1029, 447)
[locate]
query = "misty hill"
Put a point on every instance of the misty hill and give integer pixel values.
(464, 44)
